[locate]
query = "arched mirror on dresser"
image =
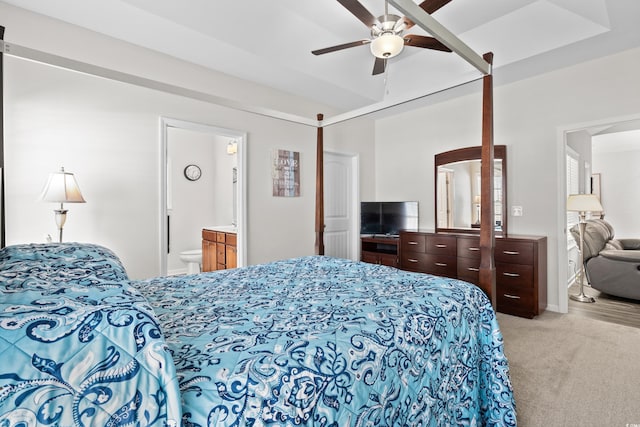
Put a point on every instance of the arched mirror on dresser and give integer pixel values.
(458, 190)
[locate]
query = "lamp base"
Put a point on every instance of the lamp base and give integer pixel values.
(582, 298)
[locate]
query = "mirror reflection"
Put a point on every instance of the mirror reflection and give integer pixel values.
(458, 189)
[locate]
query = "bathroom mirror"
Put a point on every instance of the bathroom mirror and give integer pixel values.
(458, 190)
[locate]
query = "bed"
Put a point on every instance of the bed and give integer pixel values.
(79, 346)
(314, 341)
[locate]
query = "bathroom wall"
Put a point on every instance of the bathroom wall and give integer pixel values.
(196, 204)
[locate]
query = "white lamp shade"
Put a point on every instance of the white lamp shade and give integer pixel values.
(62, 188)
(584, 203)
(387, 45)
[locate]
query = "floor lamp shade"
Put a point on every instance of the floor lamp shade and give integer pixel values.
(61, 187)
(583, 203)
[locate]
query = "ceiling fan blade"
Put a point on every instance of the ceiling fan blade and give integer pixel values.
(379, 66)
(428, 6)
(360, 12)
(431, 6)
(340, 47)
(425, 42)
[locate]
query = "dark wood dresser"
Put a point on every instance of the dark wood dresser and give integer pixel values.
(521, 265)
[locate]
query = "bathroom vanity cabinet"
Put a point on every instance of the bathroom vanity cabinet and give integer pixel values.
(219, 249)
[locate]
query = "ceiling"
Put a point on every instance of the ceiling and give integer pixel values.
(270, 42)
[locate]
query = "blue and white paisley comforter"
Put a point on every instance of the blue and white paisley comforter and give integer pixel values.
(319, 341)
(79, 346)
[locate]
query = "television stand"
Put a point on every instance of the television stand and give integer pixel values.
(379, 249)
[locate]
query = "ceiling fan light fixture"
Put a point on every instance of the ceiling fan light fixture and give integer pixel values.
(387, 45)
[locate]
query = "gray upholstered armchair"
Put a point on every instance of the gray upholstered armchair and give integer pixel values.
(612, 265)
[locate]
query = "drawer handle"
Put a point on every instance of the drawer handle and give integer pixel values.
(473, 269)
(412, 260)
(441, 264)
(412, 243)
(511, 296)
(511, 274)
(474, 249)
(511, 252)
(440, 245)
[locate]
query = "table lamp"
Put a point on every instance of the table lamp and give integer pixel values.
(61, 188)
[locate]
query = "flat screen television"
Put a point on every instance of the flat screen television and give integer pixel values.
(387, 218)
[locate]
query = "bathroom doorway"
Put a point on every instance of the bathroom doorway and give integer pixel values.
(203, 186)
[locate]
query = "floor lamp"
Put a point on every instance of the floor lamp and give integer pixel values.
(583, 203)
(61, 188)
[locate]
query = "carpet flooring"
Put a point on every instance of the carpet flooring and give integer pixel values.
(571, 370)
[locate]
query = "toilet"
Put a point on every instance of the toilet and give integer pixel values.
(193, 259)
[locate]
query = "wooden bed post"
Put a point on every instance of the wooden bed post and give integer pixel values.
(487, 218)
(3, 240)
(320, 190)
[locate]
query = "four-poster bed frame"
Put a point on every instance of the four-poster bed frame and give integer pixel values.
(487, 232)
(412, 11)
(328, 357)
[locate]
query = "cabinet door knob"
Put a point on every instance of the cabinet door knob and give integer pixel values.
(473, 269)
(412, 260)
(511, 274)
(441, 264)
(511, 252)
(412, 243)
(474, 249)
(511, 296)
(440, 245)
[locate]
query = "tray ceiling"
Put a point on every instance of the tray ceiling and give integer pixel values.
(270, 42)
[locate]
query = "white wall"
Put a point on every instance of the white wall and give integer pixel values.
(529, 118)
(620, 192)
(107, 133)
(580, 142)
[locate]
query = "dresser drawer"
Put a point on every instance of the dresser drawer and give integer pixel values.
(516, 275)
(414, 261)
(412, 242)
(469, 269)
(441, 265)
(516, 300)
(469, 248)
(442, 245)
(513, 252)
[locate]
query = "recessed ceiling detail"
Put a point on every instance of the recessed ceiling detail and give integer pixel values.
(269, 42)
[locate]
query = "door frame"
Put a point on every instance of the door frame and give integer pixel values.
(241, 138)
(355, 200)
(561, 201)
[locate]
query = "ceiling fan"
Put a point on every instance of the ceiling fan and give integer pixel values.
(387, 39)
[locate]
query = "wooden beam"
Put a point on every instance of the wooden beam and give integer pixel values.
(320, 189)
(487, 226)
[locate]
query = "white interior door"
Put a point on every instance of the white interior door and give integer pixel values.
(340, 205)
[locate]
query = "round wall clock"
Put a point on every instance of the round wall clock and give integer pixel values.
(192, 172)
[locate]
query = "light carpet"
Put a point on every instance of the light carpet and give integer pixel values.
(568, 370)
